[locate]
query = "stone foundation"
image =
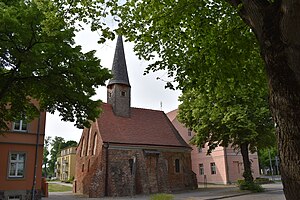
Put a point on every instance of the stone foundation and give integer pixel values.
(21, 194)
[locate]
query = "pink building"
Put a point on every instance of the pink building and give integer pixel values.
(222, 166)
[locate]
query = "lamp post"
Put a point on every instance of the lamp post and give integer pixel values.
(271, 167)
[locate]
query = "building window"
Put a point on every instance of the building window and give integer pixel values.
(123, 93)
(201, 169)
(109, 95)
(213, 168)
(16, 165)
(177, 166)
(20, 125)
(189, 132)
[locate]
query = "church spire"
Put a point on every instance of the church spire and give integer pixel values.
(119, 68)
(118, 88)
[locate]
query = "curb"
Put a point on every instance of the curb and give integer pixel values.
(229, 196)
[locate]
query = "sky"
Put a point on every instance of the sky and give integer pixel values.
(146, 90)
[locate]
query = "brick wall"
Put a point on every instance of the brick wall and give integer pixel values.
(134, 171)
(89, 169)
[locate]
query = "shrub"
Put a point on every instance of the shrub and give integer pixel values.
(259, 180)
(254, 187)
(162, 197)
(240, 181)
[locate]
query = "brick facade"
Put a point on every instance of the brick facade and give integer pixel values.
(133, 170)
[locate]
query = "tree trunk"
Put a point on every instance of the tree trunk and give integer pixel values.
(281, 53)
(285, 108)
(276, 26)
(247, 164)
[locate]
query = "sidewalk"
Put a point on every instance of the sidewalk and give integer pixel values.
(212, 192)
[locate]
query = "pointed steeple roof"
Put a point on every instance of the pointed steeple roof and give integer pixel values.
(119, 68)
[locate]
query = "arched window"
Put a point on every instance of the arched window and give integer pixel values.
(177, 166)
(131, 166)
(167, 165)
(88, 142)
(95, 144)
(82, 147)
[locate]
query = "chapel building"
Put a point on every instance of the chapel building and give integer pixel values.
(129, 151)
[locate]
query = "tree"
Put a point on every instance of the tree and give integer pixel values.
(173, 31)
(45, 155)
(39, 60)
(56, 146)
(228, 108)
(264, 157)
(238, 116)
(70, 143)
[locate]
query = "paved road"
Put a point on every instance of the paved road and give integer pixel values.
(268, 195)
(273, 192)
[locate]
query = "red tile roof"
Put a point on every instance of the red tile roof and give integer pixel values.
(144, 127)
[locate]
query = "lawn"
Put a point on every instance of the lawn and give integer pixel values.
(53, 187)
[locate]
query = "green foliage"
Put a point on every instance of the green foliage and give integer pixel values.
(254, 187)
(46, 153)
(57, 144)
(38, 59)
(70, 143)
(264, 158)
(260, 181)
(215, 59)
(162, 196)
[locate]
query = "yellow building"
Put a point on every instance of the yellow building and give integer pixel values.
(65, 165)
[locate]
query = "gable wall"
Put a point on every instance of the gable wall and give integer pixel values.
(89, 169)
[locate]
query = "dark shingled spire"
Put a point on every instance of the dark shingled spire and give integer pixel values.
(119, 68)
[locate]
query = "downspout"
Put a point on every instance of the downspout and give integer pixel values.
(226, 166)
(36, 158)
(106, 146)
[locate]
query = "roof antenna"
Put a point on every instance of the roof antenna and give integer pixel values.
(160, 105)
